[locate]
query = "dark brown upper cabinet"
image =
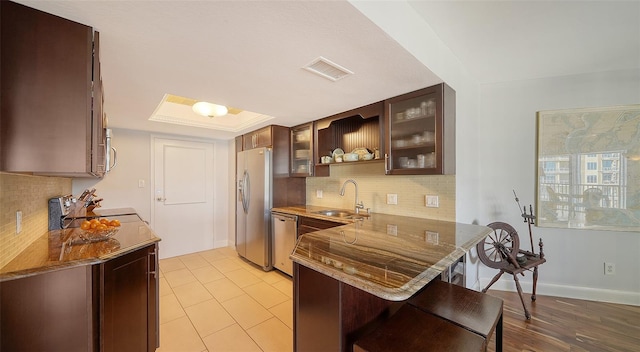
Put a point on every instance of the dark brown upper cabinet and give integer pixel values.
(357, 128)
(302, 158)
(51, 118)
(420, 132)
(258, 138)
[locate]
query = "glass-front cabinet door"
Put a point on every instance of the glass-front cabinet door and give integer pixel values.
(302, 150)
(420, 132)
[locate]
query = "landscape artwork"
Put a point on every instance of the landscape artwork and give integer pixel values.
(588, 174)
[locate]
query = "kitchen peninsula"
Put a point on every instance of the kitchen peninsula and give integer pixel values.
(67, 293)
(348, 277)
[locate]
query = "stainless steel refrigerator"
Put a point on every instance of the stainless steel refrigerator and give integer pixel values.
(253, 206)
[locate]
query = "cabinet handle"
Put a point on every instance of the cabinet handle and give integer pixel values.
(310, 168)
(152, 263)
(386, 163)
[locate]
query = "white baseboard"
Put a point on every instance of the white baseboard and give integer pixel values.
(506, 283)
(220, 243)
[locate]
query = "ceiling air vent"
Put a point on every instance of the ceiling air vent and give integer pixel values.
(327, 69)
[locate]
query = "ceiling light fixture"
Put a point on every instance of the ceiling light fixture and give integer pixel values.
(210, 110)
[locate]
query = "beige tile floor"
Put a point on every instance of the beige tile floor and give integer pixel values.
(216, 301)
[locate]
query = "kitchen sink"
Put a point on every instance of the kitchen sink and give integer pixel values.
(340, 214)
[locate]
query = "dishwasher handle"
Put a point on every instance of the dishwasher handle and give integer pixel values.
(283, 217)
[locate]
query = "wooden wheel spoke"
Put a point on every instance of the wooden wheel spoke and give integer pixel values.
(503, 235)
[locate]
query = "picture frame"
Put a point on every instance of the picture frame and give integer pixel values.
(588, 168)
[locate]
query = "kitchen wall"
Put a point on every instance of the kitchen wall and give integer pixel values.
(495, 153)
(507, 158)
(373, 187)
(120, 187)
(29, 194)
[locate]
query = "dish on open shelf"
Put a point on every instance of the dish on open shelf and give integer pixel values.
(363, 153)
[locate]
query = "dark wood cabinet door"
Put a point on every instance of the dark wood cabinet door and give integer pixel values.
(302, 159)
(263, 137)
(98, 118)
(48, 312)
(257, 139)
(420, 132)
(128, 302)
(46, 93)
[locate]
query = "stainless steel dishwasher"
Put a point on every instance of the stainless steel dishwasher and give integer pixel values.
(285, 228)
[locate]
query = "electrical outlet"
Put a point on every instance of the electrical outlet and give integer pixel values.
(609, 268)
(392, 199)
(432, 201)
(18, 222)
(318, 193)
(392, 230)
(432, 237)
(141, 183)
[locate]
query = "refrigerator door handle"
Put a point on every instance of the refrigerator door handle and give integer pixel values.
(245, 191)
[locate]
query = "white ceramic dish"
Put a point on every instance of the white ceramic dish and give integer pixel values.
(351, 157)
(362, 153)
(337, 152)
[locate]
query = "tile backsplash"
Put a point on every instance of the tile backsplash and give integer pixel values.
(374, 185)
(29, 194)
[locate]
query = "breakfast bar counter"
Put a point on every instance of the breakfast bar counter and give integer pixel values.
(349, 277)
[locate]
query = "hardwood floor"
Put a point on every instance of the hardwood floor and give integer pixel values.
(565, 324)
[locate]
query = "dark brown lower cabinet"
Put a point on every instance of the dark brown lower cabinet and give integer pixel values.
(306, 225)
(105, 307)
(128, 303)
(48, 312)
(330, 315)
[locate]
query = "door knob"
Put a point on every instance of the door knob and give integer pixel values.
(161, 199)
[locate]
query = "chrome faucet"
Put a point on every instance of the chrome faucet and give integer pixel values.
(358, 205)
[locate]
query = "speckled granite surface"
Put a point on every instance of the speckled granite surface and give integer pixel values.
(60, 249)
(389, 256)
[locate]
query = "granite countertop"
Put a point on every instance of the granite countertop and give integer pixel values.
(64, 248)
(389, 256)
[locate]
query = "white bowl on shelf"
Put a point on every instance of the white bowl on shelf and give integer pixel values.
(350, 157)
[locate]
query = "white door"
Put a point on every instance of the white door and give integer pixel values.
(183, 199)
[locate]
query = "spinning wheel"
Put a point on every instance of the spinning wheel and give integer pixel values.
(497, 248)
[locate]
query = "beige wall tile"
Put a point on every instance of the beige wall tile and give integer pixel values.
(374, 185)
(29, 194)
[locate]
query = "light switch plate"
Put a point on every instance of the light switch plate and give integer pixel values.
(432, 201)
(318, 193)
(392, 199)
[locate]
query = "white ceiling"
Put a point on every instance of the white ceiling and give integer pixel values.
(250, 54)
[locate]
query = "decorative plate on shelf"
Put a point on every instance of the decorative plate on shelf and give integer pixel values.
(338, 151)
(362, 153)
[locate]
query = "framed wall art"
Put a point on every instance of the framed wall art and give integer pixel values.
(588, 170)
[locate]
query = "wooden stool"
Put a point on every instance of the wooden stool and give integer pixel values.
(472, 310)
(412, 329)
